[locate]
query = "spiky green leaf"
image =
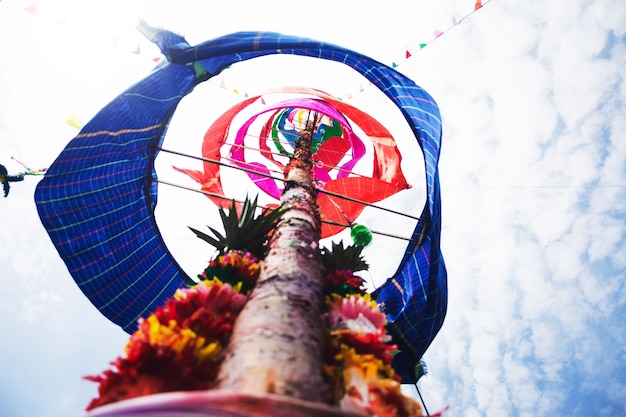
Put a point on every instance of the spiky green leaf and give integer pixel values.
(243, 231)
(339, 257)
(217, 243)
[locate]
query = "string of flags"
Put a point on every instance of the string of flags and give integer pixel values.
(134, 47)
(6, 179)
(30, 171)
(479, 4)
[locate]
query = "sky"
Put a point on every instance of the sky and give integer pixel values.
(532, 169)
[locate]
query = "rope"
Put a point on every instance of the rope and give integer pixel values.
(30, 171)
(330, 222)
(422, 399)
(253, 171)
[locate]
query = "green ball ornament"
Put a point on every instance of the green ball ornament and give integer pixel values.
(361, 235)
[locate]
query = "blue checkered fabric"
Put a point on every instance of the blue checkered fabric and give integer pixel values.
(97, 199)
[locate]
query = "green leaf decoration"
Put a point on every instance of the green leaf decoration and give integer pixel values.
(219, 243)
(339, 257)
(245, 232)
(190, 282)
(420, 369)
(228, 275)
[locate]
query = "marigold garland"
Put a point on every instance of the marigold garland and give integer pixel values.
(177, 348)
(359, 360)
(180, 346)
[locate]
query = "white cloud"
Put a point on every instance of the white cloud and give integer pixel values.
(533, 173)
(608, 232)
(34, 307)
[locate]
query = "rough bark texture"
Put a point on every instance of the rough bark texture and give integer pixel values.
(278, 341)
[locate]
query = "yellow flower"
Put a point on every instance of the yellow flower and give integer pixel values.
(216, 281)
(180, 340)
(210, 351)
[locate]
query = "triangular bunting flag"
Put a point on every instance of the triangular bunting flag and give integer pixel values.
(422, 45)
(393, 65)
(74, 121)
(478, 5)
(437, 33)
(454, 21)
(32, 9)
(408, 54)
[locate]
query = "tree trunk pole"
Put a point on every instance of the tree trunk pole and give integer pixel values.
(278, 341)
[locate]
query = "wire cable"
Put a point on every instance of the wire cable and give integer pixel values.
(422, 399)
(330, 222)
(253, 171)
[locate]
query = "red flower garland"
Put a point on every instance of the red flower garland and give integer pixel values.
(178, 348)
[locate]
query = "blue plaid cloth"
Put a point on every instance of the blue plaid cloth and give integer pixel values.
(97, 200)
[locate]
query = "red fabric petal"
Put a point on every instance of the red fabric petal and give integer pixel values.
(340, 210)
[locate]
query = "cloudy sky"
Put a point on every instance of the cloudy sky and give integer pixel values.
(533, 183)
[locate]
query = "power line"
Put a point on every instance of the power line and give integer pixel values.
(330, 222)
(253, 171)
(422, 399)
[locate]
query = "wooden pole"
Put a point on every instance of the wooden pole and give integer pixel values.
(278, 341)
